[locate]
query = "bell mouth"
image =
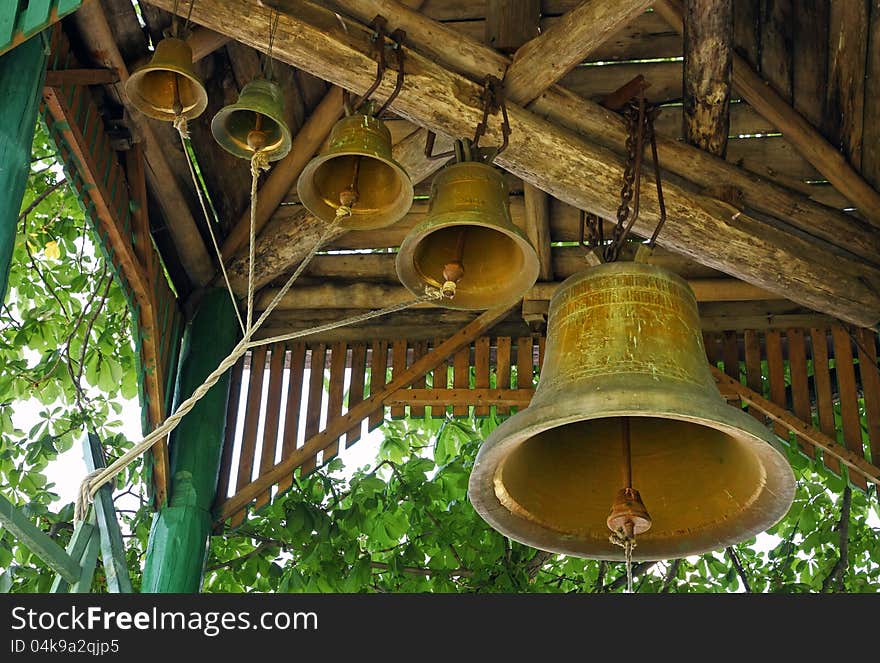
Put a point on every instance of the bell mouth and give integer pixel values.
(706, 485)
(384, 189)
(152, 92)
(496, 269)
(234, 126)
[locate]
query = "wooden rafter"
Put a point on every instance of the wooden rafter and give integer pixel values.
(564, 164)
(806, 139)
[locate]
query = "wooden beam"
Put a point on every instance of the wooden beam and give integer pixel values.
(359, 412)
(485, 397)
(597, 124)
(783, 417)
(537, 205)
(510, 23)
(708, 50)
(38, 542)
(807, 140)
(99, 40)
(59, 77)
(564, 164)
(203, 42)
(545, 59)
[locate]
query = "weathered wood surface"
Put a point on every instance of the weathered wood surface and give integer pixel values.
(708, 51)
(699, 226)
(537, 221)
(806, 138)
(871, 137)
(511, 23)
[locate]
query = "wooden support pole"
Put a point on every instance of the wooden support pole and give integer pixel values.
(708, 51)
(362, 410)
(537, 205)
(545, 59)
(567, 166)
(805, 138)
(21, 82)
(176, 550)
(83, 548)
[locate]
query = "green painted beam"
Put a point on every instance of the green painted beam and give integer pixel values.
(83, 549)
(179, 536)
(20, 20)
(112, 546)
(38, 542)
(21, 84)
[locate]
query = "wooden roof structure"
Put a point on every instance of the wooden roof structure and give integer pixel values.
(773, 209)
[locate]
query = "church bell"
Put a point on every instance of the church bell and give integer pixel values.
(357, 173)
(469, 239)
(167, 87)
(254, 123)
(625, 369)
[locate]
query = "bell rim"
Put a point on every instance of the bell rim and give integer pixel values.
(409, 277)
(764, 512)
(273, 155)
(147, 68)
(347, 223)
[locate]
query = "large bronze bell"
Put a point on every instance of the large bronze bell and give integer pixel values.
(625, 354)
(469, 238)
(357, 172)
(254, 123)
(167, 86)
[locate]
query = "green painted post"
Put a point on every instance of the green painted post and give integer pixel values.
(177, 548)
(22, 72)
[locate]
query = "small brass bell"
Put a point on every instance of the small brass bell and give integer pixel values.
(469, 239)
(254, 123)
(357, 172)
(625, 363)
(167, 86)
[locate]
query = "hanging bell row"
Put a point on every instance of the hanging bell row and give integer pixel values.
(625, 355)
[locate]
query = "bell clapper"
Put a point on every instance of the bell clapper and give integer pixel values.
(453, 271)
(256, 137)
(628, 516)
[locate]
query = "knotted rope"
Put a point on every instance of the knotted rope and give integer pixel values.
(627, 542)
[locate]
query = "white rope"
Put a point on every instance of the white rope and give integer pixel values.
(192, 171)
(260, 161)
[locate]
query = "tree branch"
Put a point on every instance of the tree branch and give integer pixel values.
(731, 553)
(638, 569)
(838, 571)
(671, 573)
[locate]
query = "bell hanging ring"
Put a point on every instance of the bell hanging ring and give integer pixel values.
(358, 174)
(469, 240)
(624, 346)
(167, 87)
(254, 123)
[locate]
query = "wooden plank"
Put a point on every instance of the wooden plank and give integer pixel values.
(35, 540)
(871, 131)
(481, 372)
(782, 417)
(503, 347)
(440, 380)
(378, 373)
(754, 379)
(60, 77)
(776, 373)
(317, 362)
(730, 354)
(776, 53)
(271, 415)
(542, 346)
(461, 377)
(419, 350)
(479, 398)
(295, 379)
(849, 396)
(708, 50)
(398, 365)
(338, 356)
(314, 445)
(356, 388)
(824, 400)
(869, 378)
(810, 58)
(524, 363)
(108, 535)
(800, 386)
(82, 547)
(746, 27)
(251, 417)
(511, 23)
(712, 343)
(232, 404)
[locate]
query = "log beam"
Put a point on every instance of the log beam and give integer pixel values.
(708, 51)
(537, 204)
(562, 163)
(542, 61)
(805, 138)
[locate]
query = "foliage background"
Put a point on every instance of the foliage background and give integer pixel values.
(401, 524)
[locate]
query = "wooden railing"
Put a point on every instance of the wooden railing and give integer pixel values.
(826, 379)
